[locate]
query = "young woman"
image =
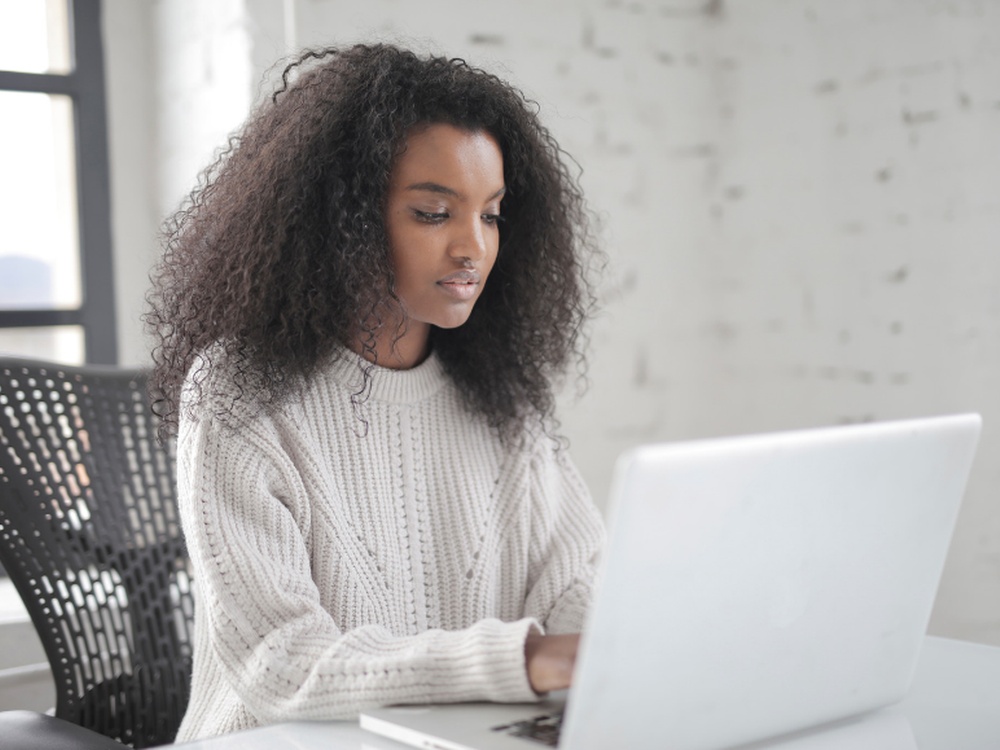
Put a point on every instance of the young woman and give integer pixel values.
(359, 317)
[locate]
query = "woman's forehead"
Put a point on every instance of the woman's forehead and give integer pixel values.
(445, 158)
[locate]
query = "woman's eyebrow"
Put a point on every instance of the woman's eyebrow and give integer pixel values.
(434, 187)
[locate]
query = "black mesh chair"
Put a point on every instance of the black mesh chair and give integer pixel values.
(90, 537)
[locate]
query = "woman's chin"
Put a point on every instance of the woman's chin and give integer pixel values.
(453, 318)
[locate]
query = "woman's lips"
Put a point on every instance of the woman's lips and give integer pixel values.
(461, 285)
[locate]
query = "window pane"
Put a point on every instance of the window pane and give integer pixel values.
(39, 245)
(34, 36)
(58, 343)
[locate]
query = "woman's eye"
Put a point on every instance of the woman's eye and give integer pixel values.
(430, 217)
(492, 218)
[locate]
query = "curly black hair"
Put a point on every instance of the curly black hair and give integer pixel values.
(274, 256)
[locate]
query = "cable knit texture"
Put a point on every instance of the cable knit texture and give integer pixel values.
(337, 569)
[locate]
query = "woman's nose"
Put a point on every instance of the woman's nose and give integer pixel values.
(469, 240)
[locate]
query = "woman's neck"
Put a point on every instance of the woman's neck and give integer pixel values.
(395, 350)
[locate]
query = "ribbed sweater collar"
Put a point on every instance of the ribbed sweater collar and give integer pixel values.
(390, 386)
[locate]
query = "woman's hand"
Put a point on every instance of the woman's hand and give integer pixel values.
(549, 660)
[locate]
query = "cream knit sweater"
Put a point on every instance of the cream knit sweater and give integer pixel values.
(336, 569)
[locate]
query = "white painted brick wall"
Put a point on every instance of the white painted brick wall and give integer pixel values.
(800, 200)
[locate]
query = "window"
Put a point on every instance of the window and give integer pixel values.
(56, 293)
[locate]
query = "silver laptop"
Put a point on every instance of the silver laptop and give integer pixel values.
(753, 586)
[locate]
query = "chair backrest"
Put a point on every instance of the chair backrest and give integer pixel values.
(90, 537)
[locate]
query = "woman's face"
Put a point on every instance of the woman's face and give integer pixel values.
(442, 213)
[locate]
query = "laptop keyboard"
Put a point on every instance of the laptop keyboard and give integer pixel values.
(543, 728)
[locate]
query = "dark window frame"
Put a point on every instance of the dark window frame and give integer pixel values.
(85, 85)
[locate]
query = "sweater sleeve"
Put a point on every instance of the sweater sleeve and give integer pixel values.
(568, 537)
(246, 521)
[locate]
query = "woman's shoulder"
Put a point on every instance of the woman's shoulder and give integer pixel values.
(226, 385)
(537, 442)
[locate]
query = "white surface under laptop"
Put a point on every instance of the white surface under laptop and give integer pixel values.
(752, 586)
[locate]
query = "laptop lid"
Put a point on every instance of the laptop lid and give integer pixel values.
(753, 586)
(762, 584)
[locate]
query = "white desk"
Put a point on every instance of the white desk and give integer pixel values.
(954, 705)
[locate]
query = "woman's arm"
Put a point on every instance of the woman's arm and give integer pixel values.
(567, 540)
